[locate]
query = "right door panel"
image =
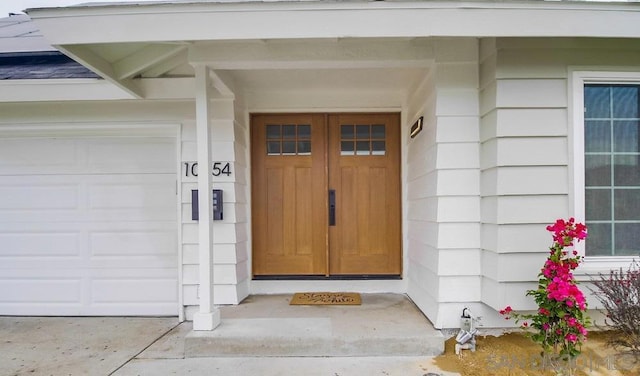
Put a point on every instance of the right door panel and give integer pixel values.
(364, 171)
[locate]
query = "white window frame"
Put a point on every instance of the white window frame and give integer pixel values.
(578, 77)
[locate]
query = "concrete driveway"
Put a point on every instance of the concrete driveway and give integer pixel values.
(76, 345)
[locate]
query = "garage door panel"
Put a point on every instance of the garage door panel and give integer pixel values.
(88, 226)
(141, 243)
(44, 197)
(144, 155)
(29, 155)
(88, 198)
(38, 290)
(125, 196)
(150, 291)
(53, 244)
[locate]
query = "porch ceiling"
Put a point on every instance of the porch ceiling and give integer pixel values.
(376, 64)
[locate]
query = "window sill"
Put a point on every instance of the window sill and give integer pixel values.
(593, 265)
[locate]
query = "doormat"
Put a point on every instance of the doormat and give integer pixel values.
(326, 298)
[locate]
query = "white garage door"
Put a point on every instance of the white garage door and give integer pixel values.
(88, 226)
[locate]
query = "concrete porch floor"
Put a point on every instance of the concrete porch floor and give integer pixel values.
(267, 326)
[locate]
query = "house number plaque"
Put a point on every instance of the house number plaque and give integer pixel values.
(217, 169)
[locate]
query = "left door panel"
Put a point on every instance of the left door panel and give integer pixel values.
(289, 194)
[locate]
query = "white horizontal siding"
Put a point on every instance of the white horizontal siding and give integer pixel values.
(458, 129)
(540, 209)
(459, 235)
(512, 267)
(458, 182)
(424, 255)
(524, 122)
(458, 155)
(457, 102)
(500, 294)
(505, 238)
(459, 262)
(521, 180)
(458, 209)
(460, 289)
(531, 93)
(534, 151)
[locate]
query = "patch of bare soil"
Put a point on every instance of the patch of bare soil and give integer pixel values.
(514, 354)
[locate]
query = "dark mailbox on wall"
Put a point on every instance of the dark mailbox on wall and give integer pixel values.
(217, 205)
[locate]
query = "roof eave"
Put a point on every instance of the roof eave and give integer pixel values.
(161, 22)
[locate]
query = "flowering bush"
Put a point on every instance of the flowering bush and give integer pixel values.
(559, 325)
(619, 293)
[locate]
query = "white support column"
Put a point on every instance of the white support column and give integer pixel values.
(208, 316)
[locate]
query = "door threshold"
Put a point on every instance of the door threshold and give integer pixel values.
(342, 277)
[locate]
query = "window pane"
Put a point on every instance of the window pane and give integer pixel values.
(597, 136)
(304, 147)
(289, 147)
(273, 131)
(625, 135)
(596, 101)
(627, 204)
(627, 239)
(346, 148)
(625, 101)
(598, 204)
(362, 148)
(346, 132)
(378, 131)
(289, 131)
(378, 147)
(273, 147)
(626, 170)
(304, 131)
(612, 168)
(598, 242)
(363, 132)
(598, 171)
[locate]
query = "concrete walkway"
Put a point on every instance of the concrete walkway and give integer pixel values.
(156, 346)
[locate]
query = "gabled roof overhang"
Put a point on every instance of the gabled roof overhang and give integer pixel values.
(171, 33)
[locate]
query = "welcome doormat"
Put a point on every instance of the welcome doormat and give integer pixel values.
(326, 298)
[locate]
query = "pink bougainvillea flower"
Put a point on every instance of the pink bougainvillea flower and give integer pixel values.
(571, 338)
(560, 319)
(507, 310)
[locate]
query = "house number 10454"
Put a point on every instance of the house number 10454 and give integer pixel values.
(217, 169)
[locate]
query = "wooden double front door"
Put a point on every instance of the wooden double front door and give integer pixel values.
(326, 195)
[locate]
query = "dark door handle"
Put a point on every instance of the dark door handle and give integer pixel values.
(332, 207)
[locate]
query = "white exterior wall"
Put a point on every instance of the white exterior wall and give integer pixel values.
(443, 196)
(525, 152)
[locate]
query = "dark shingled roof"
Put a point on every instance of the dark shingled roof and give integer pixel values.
(41, 65)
